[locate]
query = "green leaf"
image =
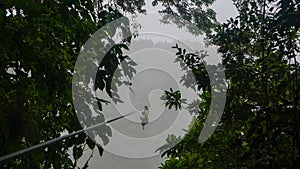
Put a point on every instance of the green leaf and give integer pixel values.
(77, 152)
(91, 144)
(100, 149)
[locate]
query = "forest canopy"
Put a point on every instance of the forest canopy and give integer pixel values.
(260, 126)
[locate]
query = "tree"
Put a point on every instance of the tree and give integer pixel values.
(194, 11)
(260, 124)
(40, 42)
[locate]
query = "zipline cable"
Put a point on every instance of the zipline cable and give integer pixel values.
(55, 140)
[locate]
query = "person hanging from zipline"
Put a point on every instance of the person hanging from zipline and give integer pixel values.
(145, 117)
